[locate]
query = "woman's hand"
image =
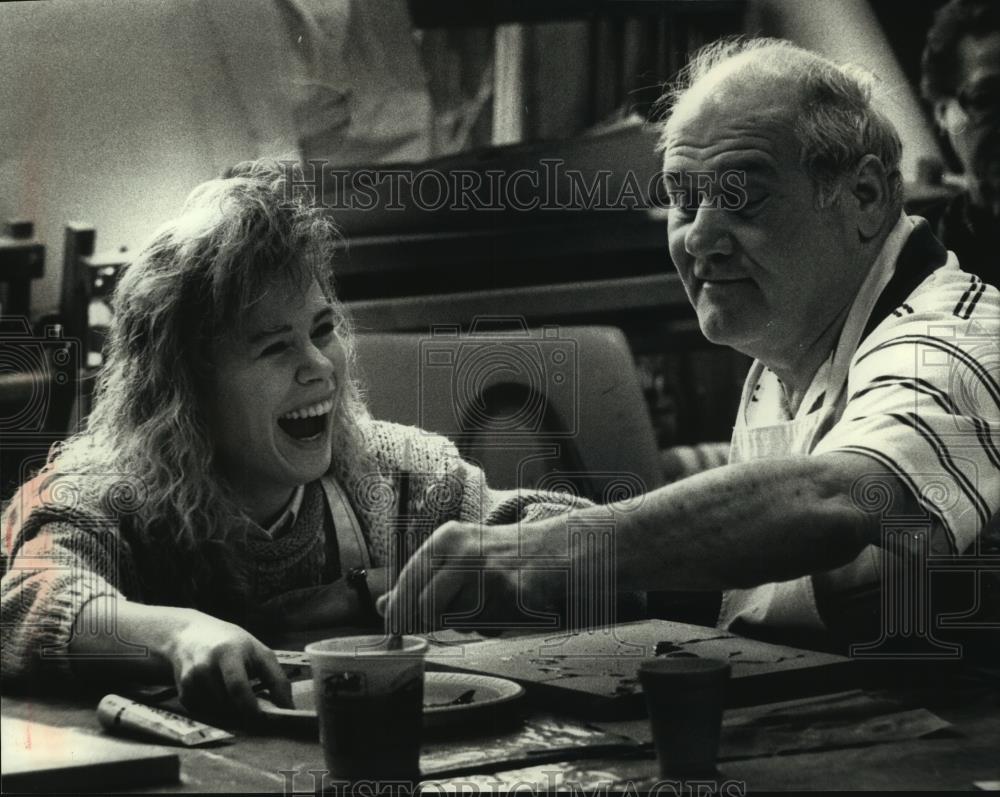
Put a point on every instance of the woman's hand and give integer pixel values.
(213, 663)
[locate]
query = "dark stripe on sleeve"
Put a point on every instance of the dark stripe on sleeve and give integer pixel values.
(975, 301)
(920, 426)
(992, 387)
(911, 485)
(918, 385)
(986, 438)
(944, 401)
(973, 281)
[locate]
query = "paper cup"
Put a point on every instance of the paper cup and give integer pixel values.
(369, 700)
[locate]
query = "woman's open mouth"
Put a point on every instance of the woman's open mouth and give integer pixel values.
(308, 423)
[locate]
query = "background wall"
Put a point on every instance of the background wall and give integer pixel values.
(113, 111)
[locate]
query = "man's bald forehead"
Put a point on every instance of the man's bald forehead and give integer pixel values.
(769, 81)
(775, 71)
(739, 100)
(773, 64)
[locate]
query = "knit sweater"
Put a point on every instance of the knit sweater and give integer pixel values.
(61, 558)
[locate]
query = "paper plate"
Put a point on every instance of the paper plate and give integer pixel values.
(450, 698)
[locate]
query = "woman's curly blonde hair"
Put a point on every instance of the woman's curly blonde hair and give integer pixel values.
(193, 282)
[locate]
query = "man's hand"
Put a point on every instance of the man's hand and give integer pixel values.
(518, 577)
(213, 663)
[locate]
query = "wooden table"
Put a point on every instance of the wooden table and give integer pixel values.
(954, 759)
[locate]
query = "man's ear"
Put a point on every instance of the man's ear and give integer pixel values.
(871, 196)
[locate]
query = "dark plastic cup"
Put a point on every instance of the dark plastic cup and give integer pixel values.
(685, 697)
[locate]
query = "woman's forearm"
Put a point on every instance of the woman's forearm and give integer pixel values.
(115, 637)
(212, 662)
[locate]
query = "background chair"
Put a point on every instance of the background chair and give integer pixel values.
(553, 408)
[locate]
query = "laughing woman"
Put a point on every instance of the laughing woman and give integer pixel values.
(230, 481)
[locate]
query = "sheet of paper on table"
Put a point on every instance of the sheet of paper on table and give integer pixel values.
(595, 673)
(42, 758)
(846, 720)
(539, 739)
(570, 777)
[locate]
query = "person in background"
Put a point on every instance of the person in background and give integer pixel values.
(230, 481)
(874, 395)
(961, 80)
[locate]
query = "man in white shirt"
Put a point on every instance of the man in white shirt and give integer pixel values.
(874, 398)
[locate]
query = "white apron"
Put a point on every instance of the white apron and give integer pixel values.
(791, 605)
(351, 544)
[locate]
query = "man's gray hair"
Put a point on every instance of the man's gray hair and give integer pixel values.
(837, 123)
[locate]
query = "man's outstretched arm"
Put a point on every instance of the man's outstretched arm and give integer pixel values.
(752, 523)
(735, 526)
